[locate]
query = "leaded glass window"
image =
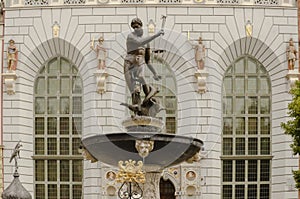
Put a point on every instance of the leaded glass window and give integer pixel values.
(58, 127)
(167, 92)
(246, 137)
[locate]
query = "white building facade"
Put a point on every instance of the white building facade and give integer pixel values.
(237, 116)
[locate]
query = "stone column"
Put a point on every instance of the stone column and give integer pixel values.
(151, 186)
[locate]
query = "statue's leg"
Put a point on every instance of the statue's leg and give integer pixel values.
(101, 64)
(136, 99)
(128, 76)
(201, 64)
(141, 78)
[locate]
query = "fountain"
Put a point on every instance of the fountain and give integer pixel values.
(142, 151)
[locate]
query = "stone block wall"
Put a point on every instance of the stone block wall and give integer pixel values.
(199, 115)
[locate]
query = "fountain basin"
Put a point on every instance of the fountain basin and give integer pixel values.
(168, 150)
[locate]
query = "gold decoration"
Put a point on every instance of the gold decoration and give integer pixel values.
(130, 171)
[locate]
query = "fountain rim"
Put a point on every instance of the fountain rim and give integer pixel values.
(141, 136)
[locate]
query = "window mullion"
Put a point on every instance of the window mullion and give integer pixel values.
(55, 72)
(247, 70)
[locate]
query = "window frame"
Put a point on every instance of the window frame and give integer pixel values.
(248, 114)
(73, 156)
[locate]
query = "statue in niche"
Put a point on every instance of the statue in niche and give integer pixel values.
(101, 53)
(12, 56)
(136, 60)
(291, 54)
(200, 54)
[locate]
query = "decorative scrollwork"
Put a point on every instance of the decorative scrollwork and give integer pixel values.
(132, 1)
(170, 1)
(130, 171)
(228, 1)
(266, 2)
(130, 174)
(36, 2)
(130, 190)
(74, 1)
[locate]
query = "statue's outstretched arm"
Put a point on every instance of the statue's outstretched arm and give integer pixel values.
(144, 40)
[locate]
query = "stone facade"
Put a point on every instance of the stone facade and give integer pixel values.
(199, 115)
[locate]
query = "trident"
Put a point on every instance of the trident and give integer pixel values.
(163, 17)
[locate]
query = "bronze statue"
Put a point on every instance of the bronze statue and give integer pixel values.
(137, 58)
(16, 154)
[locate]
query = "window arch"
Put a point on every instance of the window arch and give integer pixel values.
(167, 189)
(58, 127)
(246, 137)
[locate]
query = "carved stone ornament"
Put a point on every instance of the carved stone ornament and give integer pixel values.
(190, 175)
(103, 1)
(111, 190)
(191, 190)
(151, 186)
(111, 176)
(10, 78)
(144, 147)
(292, 77)
(101, 76)
(85, 153)
(201, 76)
(195, 158)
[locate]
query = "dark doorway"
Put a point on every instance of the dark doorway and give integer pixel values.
(167, 189)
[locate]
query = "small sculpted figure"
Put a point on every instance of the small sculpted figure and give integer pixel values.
(291, 54)
(101, 53)
(12, 56)
(200, 54)
(16, 154)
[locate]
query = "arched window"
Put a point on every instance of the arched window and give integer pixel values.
(167, 189)
(167, 92)
(246, 137)
(58, 126)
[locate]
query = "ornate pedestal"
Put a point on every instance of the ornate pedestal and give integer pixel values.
(101, 76)
(201, 76)
(292, 76)
(10, 78)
